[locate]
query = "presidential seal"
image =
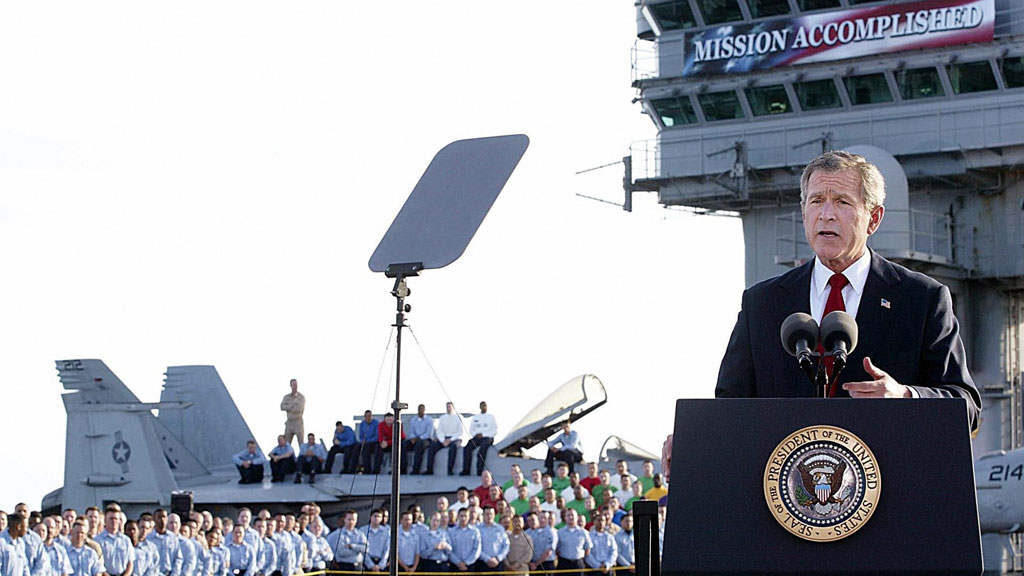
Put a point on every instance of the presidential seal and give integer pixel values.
(822, 483)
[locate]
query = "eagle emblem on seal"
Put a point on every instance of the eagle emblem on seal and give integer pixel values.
(822, 478)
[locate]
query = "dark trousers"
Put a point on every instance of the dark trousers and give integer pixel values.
(386, 453)
(369, 454)
(546, 566)
(453, 449)
(349, 458)
(280, 468)
(251, 475)
(566, 564)
(432, 566)
(311, 465)
(481, 566)
(480, 445)
(570, 457)
(417, 446)
(346, 567)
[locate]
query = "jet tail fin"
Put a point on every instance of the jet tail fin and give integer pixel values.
(203, 415)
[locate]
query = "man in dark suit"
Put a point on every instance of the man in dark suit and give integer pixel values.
(909, 344)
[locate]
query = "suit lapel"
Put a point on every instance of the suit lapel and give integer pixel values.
(878, 304)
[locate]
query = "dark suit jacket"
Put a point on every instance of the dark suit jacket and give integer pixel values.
(916, 339)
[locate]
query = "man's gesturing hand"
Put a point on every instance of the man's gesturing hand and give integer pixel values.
(883, 385)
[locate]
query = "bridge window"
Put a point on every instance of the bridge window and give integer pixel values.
(919, 83)
(818, 94)
(763, 8)
(806, 5)
(720, 106)
(675, 111)
(1013, 71)
(673, 15)
(868, 89)
(718, 11)
(768, 100)
(971, 77)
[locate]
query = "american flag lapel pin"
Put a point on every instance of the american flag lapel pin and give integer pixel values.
(886, 304)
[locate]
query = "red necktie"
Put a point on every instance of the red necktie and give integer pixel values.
(834, 302)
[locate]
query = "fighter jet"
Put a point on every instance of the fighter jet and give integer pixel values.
(140, 454)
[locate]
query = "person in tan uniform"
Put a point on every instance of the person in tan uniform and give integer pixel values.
(294, 405)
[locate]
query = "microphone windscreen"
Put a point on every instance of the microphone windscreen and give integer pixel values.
(799, 326)
(837, 326)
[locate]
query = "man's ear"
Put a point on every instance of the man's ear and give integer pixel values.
(876, 219)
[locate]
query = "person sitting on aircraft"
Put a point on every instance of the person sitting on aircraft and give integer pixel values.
(118, 552)
(659, 490)
(385, 433)
(250, 464)
(84, 561)
(565, 447)
(348, 544)
(605, 552)
(344, 444)
(449, 435)
(461, 499)
(369, 446)
(465, 542)
(378, 543)
(282, 460)
(482, 430)
(311, 459)
(421, 432)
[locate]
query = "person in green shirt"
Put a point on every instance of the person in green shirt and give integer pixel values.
(648, 477)
(522, 502)
(579, 503)
(561, 480)
(638, 494)
(598, 492)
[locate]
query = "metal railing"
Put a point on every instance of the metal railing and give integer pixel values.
(644, 57)
(927, 238)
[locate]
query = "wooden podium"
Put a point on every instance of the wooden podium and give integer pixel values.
(925, 520)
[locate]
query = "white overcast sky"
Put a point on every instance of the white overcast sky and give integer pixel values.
(204, 182)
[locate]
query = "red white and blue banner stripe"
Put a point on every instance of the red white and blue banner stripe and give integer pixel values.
(837, 35)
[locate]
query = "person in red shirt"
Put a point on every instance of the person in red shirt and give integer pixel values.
(384, 432)
(484, 489)
(592, 479)
(493, 497)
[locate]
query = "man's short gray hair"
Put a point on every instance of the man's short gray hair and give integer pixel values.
(872, 184)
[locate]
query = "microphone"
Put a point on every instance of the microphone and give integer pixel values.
(800, 337)
(838, 337)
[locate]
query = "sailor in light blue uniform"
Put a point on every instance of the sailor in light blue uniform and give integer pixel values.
(434, 546)
(348, 544)
(605, 553)
(624, 542)
(84, 562)
(408, 544)
(378, 543)
(217, 560)
(57, 563)
(465, 541)
(189, 552)
(494, 544)
(545, 540)
(240, 555)
(118, 552)
(167, 545)
(147, 557)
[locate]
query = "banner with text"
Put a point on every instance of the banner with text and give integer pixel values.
(837, 35)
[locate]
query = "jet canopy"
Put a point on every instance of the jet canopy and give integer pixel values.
(570, 401)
